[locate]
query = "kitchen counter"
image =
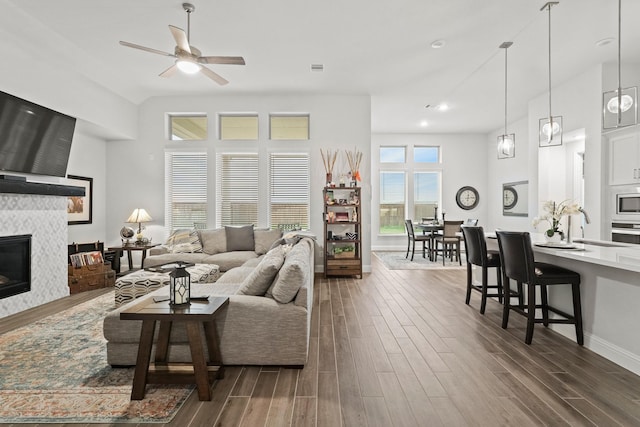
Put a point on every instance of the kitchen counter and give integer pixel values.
(610, 295)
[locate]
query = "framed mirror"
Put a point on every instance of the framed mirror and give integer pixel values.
(515, 198)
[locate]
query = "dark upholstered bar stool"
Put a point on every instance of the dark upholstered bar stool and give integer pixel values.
(518, 264)
(477, 254)
(411, 243)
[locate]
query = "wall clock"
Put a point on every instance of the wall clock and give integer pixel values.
(509, 197)
(467, 198)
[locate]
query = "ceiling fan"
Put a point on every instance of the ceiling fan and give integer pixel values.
(188, 58)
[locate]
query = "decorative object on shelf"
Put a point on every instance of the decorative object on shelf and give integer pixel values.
(329, 160)
(553, 213)
(347, 251)
(80, 208)
(506, 141)
(620, 106)
(139, 216)
(351, 236)
(180, 285)
(467, 198)
(354, 158)
(550, 127)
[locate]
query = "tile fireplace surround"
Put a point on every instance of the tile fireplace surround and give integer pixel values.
(45, 218)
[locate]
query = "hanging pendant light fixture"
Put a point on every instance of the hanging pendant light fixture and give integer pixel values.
(550, 128)
(506, 141)
(620, 106)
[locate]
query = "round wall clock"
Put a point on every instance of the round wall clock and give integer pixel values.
(467, 198)
(509, 197)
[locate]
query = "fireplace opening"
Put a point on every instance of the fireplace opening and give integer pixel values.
(15, 265)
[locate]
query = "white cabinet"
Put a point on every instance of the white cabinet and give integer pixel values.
(624, 159)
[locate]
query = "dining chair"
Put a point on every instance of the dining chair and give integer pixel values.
(412, 238)
(472, 222)
(450, 241)
(477, 254)
(518, 263)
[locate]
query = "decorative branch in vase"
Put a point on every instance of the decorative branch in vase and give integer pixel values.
(329, 161)
(354, 158)
(553, 213)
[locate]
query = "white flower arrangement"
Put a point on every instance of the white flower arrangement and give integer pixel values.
(554, 213)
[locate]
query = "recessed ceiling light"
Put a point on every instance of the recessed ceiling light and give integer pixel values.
(605, 41)
(424, 123)
(437, 44)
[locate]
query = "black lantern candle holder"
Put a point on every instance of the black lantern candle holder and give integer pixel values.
(180, 286)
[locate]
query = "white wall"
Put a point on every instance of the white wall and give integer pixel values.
(462, 164)
(136, 167)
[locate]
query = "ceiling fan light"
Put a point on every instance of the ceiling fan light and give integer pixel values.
(188, 67)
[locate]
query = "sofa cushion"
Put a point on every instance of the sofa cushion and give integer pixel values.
(262, 276)
(292, 275)
(229, 260)
(193, 257)
(213, 241)
(264, 239)
(186, 240)
(240, 238)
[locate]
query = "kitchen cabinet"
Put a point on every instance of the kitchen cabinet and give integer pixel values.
(624, 159)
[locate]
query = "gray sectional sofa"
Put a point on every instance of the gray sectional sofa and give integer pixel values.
(267, 320)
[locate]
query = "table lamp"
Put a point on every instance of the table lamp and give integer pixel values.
(139, 215)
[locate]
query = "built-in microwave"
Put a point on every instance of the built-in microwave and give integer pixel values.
(628, 204)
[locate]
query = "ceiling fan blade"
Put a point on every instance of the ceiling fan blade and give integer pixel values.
(214, 76)
(146, 49)
(232, 60)
(169, 71)
(181, 38)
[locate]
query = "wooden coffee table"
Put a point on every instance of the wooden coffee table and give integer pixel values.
(199, 371)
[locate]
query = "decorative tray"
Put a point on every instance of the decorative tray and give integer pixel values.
(556, 245)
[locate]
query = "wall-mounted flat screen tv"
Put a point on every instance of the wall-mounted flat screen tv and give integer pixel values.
(33, 139)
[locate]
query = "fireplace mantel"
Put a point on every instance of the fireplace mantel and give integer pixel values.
(40, 188)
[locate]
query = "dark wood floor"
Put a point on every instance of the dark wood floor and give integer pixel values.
(400, 348)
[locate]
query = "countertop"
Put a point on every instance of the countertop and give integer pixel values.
(623, 256)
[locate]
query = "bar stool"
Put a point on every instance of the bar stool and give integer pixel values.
(518, 264)
(477, 254)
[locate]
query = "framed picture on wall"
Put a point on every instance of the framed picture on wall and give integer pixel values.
(80, 208)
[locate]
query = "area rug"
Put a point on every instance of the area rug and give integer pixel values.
(397, 261)
(55, 371)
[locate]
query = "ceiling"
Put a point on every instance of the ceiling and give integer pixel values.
(371, 47)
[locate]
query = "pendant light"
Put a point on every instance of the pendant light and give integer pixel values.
(506, 141)
(620, 106)
(550, 127)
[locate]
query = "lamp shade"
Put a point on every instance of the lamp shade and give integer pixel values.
(139, 215)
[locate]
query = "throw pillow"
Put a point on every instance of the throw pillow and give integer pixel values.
(259, 280)
(214, 241)
(184, 236)
(264, 239)
(240, 238)
(184, 248)
(292, 275)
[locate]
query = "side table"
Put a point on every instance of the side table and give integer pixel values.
(129, 248)
(161, 372)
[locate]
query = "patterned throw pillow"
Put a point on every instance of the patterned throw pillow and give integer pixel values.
(183, 241)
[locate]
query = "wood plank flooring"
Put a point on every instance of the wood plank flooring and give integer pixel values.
(400, 348)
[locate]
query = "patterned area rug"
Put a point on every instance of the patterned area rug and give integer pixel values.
(397, 261)
(56, 371)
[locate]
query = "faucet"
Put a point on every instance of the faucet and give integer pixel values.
(586, 219)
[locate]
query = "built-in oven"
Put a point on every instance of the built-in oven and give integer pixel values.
(627, 232)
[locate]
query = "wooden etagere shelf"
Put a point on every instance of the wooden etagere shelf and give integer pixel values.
(342, 231)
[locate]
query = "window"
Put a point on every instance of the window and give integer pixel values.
(392, 155)
(185, 189)
(237, 189)
(426, 192)
(289, 189)
(184, 127)
(392, 202)
(289, 126)
(238, 126)
(426, 154)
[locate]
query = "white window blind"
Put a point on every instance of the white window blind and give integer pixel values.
(289, 188)
(186, 189)
(237, 189)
